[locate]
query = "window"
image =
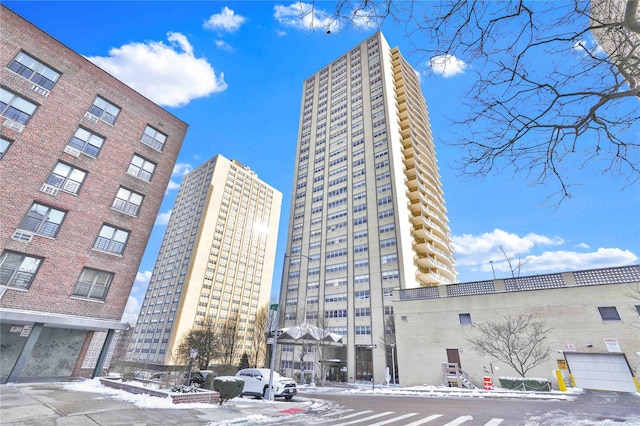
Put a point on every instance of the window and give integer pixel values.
(4, 146)
(87, 142)
(609, 313)
(363, 312)
(465, 319)
(111, 240)
(104, 110)
(42, 220)
(128, 201)
(363, 330)
(387, 243)
(362, 295)
(93, 284)
(15, 108)
(34, 71)
(17, 269)
(141, 168)
(153, 138)
(67, 178)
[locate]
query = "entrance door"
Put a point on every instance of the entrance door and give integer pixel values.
(453, 357)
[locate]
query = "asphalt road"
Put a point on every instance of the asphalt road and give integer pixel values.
(586, 409)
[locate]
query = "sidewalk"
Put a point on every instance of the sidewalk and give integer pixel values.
(49, 404)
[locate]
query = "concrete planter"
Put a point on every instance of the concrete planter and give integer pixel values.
(203, 396)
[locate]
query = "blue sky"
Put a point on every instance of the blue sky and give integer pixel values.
(234, 72)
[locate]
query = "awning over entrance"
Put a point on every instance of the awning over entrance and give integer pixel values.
(305, 333)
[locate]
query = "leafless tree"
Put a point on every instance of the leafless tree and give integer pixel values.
(259, 337)
(519, 341)
(205, 339)
(555, 84)
(515, 268)
(229, 337)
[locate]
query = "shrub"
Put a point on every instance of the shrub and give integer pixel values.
(228, 386)
(525, 384)
(184, 388)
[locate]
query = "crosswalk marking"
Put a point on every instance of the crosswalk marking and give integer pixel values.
(394, 419)
(459, 421)
(425, 420)
(375, 416)
(355, 418)
(357, 413)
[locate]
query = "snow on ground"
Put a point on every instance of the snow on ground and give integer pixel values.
(566, 419)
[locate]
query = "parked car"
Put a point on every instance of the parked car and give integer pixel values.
(197, 377)
(256, 382)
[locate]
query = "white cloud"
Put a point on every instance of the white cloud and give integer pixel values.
(588, 46)
(305, 16)
(447, 65)
(583, 245)
(163, 218)
(555, 261)
(172, 186)
(132, 309)
(281, 33)
(169, 75)
(226, 20)
(363, 20)
(482, 254)
(223, 45)
(181, 169)
(480, 249)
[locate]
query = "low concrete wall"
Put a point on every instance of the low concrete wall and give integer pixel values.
(202, 396)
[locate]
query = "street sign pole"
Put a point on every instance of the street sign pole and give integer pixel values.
(274, 340)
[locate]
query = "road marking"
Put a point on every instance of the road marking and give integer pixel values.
(425, 420)
(395, 419)
(375, 416)
(357, 413)
(494, 422)
(459, 421)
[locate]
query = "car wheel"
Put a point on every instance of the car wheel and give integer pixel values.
(264, 392)
(288, 397)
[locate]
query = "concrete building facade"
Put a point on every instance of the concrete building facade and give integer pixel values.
(592, 313)
(215, 263)
(367, 211)
(85, 161)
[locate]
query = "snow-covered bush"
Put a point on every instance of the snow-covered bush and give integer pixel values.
(228, 386)
(525, 384)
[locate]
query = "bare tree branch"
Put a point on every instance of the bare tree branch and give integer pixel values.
(520, 342)
(555, 88)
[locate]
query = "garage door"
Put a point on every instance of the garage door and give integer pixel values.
(601, 371)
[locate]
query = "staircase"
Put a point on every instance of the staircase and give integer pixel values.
(455, 377)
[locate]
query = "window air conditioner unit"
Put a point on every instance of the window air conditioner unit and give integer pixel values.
(49, 189)
(13, 125)
(23, 236)
(40, 90)
(72, 151)
(90, 117)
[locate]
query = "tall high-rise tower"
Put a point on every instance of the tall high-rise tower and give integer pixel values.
(215, 262)
(367, 213)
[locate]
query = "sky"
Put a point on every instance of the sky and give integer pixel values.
(234, 72)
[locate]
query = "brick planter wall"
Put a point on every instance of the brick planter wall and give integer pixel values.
(202, 396)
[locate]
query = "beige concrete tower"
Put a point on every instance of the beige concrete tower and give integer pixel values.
(367, 213)
(216, 260)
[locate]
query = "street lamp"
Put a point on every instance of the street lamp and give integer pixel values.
(193, 353)
(393, 362)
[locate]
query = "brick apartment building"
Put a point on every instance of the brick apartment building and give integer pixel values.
(85, 161)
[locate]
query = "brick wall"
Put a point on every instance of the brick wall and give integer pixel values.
(35, 152)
